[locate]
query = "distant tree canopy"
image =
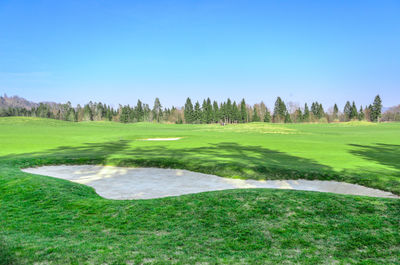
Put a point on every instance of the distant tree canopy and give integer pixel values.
(208, 112)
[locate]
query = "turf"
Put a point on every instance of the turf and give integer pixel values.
(55, 221)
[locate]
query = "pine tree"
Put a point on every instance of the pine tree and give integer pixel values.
(146, 112)
(157, 110)
(87, 113)
(228, 110)
(347, 111)
(267, 116)
(124, 116)
(71, 115)
(215, 111)
(299, 115)
(209, 111)
(361, 115)
(353, 112)
(222, 112)
(243, 111)
(314, 109)
(306, 115)
(321, 111)
(139, 111)
(235, 113)
(197, 113)
(287, 118)
(204, 112)
(376, 111)
(335, 111)
(255, 117)
(280, 111)
(188, 112)
(317, 110)
(368, 113)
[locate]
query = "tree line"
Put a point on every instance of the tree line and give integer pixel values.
(207, 112)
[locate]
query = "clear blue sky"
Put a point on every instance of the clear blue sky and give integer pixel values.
(119, 51)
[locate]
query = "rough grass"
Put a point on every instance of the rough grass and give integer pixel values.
(48, 220)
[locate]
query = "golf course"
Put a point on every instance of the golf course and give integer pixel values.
(46, 220)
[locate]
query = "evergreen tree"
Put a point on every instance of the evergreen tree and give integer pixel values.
(109, 114)
(157, 110)
(368, 112)
(314, 109)
(361, 115)
(188, 112)
(280, 111)
(139, 111)
(222, 111)
(321, 111)
(243, 111)
(209, 112)
(347, 111)
(376, 110)
(216, 114)
(335, 111)
(353, 112)
(235, 113)
(132, 114)
(166, 113)
(267, 116)
(204, 112)
(255, 117)
(317, 110)
(146, 112)
(298, 115)
(306, 115)
(228, 111)
(71, 115)
(287, 118)
(124, 116)
(197, 113)
(87, 113)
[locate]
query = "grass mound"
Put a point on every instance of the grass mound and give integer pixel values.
(61, 222)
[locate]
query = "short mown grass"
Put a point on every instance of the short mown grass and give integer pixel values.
(46, 220)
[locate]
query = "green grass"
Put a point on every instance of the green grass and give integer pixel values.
(55, 221)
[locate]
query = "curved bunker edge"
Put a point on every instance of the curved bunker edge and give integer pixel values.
(122, 183)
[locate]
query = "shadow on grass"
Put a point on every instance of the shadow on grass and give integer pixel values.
(224, 159)
(384, 154)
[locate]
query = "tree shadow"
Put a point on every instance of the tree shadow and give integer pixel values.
(224, 159)
(88, 153)
(232, 160)
(384, 154)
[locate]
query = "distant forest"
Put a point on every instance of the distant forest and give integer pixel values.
(195, 113)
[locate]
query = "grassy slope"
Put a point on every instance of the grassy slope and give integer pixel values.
(45, 219)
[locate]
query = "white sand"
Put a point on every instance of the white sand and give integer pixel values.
(161, 139)
(122, 183)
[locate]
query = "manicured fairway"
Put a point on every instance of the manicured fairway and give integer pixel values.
(50, 220)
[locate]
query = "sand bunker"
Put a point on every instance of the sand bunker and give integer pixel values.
(122, 183)
(162, 139)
